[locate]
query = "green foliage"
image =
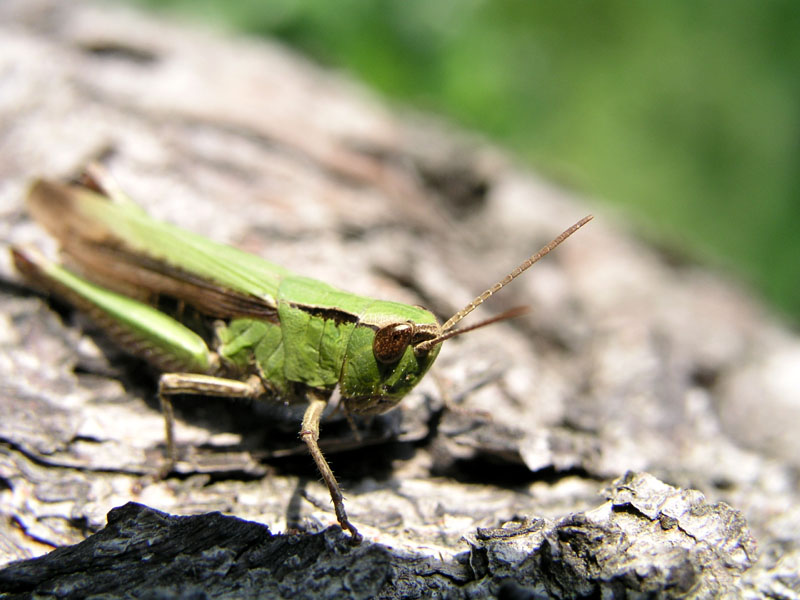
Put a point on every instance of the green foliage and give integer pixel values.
(685, 112)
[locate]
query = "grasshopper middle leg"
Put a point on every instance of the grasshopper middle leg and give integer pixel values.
(172, 384)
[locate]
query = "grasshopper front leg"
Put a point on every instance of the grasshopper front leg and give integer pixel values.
(172, 384)
(309, 433)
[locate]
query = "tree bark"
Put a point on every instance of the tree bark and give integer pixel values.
(635, 367)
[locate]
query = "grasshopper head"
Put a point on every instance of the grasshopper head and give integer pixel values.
(381, 364)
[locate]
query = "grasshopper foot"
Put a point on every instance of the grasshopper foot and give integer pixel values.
(355, 536)
(166, 467)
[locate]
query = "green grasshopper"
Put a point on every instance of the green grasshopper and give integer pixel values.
(274, 335)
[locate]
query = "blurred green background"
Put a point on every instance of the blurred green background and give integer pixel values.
(684, 113)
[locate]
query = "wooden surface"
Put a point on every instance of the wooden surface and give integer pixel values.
(632, 361)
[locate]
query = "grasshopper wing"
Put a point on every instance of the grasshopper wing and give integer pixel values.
(118, 245)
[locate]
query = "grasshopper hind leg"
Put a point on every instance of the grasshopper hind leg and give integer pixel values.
(143, 331)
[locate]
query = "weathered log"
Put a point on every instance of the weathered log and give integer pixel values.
(632, 360)
(648, 538)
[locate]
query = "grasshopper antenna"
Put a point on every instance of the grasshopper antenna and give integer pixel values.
(514, 312)
(509, 314)
(515, 273)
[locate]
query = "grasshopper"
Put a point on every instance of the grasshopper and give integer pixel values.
(267, 333)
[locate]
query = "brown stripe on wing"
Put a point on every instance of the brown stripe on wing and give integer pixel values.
(104, 259)
(143, 277)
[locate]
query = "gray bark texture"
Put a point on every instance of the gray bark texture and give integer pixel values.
(641, 438)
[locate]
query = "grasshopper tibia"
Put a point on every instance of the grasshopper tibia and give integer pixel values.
(310, 435)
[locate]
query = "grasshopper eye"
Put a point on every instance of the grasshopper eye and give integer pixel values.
(391, 341)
